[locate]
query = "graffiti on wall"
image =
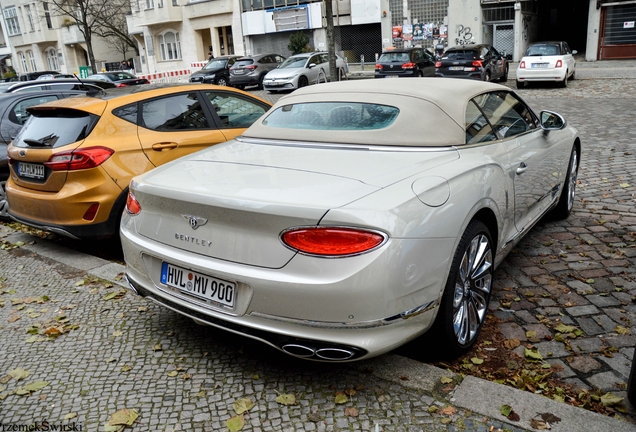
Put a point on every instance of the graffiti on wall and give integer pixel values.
(464, 36)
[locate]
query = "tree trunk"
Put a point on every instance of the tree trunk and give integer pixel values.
(331, 48)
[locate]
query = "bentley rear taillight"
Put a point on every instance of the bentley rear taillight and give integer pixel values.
(84, 158)
(332, 241)
(132, 205)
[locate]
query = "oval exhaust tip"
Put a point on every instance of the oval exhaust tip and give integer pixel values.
(334, 354)
(298, 350)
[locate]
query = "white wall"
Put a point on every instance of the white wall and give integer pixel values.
(593, 32)
(464, 21)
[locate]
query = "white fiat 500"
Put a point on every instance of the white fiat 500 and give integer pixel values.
(546, 62)
(353, 216)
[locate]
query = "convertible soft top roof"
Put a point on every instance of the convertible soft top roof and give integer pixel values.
(432, 111)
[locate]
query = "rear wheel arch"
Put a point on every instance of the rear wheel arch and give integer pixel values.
(488, 218)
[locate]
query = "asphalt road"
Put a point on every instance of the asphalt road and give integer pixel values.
(100, 350)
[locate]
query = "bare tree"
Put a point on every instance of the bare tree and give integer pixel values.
(87, 14)
(113, 27)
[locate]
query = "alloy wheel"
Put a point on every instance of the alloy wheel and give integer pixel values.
(574, 167)
(472, 289)
(4, 204)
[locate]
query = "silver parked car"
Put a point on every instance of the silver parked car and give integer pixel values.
(301, 70)
(353, 216)
(250, 71)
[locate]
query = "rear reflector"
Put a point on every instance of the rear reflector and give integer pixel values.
(91, 212)
(332, 242)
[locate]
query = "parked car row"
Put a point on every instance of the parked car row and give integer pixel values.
(542, 62)
(271, 72)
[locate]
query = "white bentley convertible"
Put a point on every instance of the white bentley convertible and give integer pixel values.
(353, 216)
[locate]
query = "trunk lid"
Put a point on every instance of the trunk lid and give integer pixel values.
(242, 196)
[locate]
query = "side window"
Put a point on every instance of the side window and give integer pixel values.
(128, 113)
(279, 59)
(324, 58)
(484, 52)
(566, 48)
(477, 127)
(177, 112)
(230, 62)
(494, 52)
(233, 111)
(507, 114)
(19, 114)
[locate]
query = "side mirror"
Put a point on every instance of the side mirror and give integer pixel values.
(551, 121)
(311, 65)
(574, 52)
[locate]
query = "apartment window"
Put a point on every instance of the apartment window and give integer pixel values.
(31, 57)
(29, 15)
(11, 19)
(23, 61)
(169, 45)
(150, 4)
(51, 59)
(47, 15)
(159, 3)
(175, 2)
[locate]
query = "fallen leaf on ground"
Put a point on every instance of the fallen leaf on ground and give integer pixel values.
(512, 343)
(30, 388)
(70, 416)
(449, 410)
(341, 398)
(236, 423)
(243, 404)
(173, 373)
(608, 399)
(286, 399)
(351, 412)
(18, 374)
(446, 380)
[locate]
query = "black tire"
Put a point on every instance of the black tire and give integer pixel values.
(520, 84)
(260, 81)
(420, 74)
(4, 204)
(222, 81)
(303, 81)
(487, 76)
(566, 200)
(504, 78)
(573, 75)
(466, 296)
(564, 83)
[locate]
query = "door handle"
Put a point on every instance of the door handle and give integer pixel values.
(164, 146)
(522, 168)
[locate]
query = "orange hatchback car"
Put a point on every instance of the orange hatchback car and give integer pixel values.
(71, 163)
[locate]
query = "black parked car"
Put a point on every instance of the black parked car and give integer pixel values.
(252, 70)
(481, 62)
(120, 78)
(216, 71)
(13, 115)
(406, 62)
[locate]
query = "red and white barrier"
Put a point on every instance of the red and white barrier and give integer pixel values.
(168, 76)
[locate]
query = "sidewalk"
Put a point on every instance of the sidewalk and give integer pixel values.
(474, 403)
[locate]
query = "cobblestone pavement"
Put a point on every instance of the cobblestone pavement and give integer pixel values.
(128, 353)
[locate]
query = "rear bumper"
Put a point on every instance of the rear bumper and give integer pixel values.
(346, 307)
(244, 79)
(541, 74)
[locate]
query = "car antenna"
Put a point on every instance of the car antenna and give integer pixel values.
(91, 91)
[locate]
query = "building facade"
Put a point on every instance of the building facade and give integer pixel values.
(39, 39)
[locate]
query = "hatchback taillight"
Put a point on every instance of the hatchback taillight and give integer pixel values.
(408, 66)
(378, 66)
(559, 64)
(251, 67)
(121, 85)
(132, 205)
(477, 63)
(332, 242)
(438, 64)
(522, 65)
(89, 157)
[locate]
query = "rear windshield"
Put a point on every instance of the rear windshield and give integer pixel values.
(55, 128)
(332, 116)
(461, 55)
(543, 50)
(394, 57)
(243, 62)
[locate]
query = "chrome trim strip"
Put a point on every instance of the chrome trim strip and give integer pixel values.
(360, 325)
(309, 144)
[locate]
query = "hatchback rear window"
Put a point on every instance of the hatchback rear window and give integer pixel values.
(55, 128)
(332, 116)
(243, 63)
(543, 50)
(461, 55)
(394, 57)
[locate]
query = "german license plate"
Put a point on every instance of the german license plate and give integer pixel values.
(461, 68)
(539, 65)
(198, 285)
(30, 170)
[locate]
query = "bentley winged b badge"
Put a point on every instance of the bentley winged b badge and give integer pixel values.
(195, 221)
